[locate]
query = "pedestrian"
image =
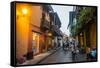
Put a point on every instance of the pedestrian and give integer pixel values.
(61, 42)
(64, 45)
(67, 45)
(92, 54)
(73, 50)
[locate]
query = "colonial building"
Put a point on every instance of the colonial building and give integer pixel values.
(55, 28)
(36, 29)
(84, 28)
(28, 37)
(71, 21)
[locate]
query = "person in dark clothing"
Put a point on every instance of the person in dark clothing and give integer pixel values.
(63, 44)
(92, 55)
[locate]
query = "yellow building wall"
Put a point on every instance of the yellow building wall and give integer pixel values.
(81, 41)
(93, 35)
(84, 39)
(36, 15)
(26, 16)
(22, 30)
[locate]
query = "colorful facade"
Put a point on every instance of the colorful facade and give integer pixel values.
(34, 30)
(84, 31)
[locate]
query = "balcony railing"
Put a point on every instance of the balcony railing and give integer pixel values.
(45, 25)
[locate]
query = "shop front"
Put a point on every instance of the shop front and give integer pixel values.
(35, 42)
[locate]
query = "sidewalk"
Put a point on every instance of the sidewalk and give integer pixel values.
(39, 58)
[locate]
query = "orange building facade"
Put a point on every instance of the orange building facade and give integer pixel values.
(32, 30)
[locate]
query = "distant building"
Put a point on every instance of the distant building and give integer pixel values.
(55, 28)
(72, 15)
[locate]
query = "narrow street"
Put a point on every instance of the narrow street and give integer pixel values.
(62, 56)
(58, 57)
(44, 32)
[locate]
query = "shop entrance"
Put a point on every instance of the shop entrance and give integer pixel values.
(35, 43)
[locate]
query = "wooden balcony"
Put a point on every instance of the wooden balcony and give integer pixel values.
(45, 25)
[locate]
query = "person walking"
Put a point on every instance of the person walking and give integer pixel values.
(73, 50)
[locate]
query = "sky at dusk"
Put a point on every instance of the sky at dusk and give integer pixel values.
(63, 13)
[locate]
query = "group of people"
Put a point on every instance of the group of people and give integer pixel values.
(70, 44)
(73, 44)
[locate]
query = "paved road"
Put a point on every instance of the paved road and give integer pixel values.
(59, 56)
(62, 56)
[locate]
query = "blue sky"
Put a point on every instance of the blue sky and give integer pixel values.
(63, 13)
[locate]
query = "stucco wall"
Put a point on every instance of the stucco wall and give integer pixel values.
(24, 24)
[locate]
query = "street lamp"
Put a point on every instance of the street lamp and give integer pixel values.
(24, 11)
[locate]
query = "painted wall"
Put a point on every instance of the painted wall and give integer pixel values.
(26, 16)
(22, 30)
(93, 35)
(36, 15)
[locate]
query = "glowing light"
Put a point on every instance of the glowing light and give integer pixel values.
(24, 11)
(49, 34)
